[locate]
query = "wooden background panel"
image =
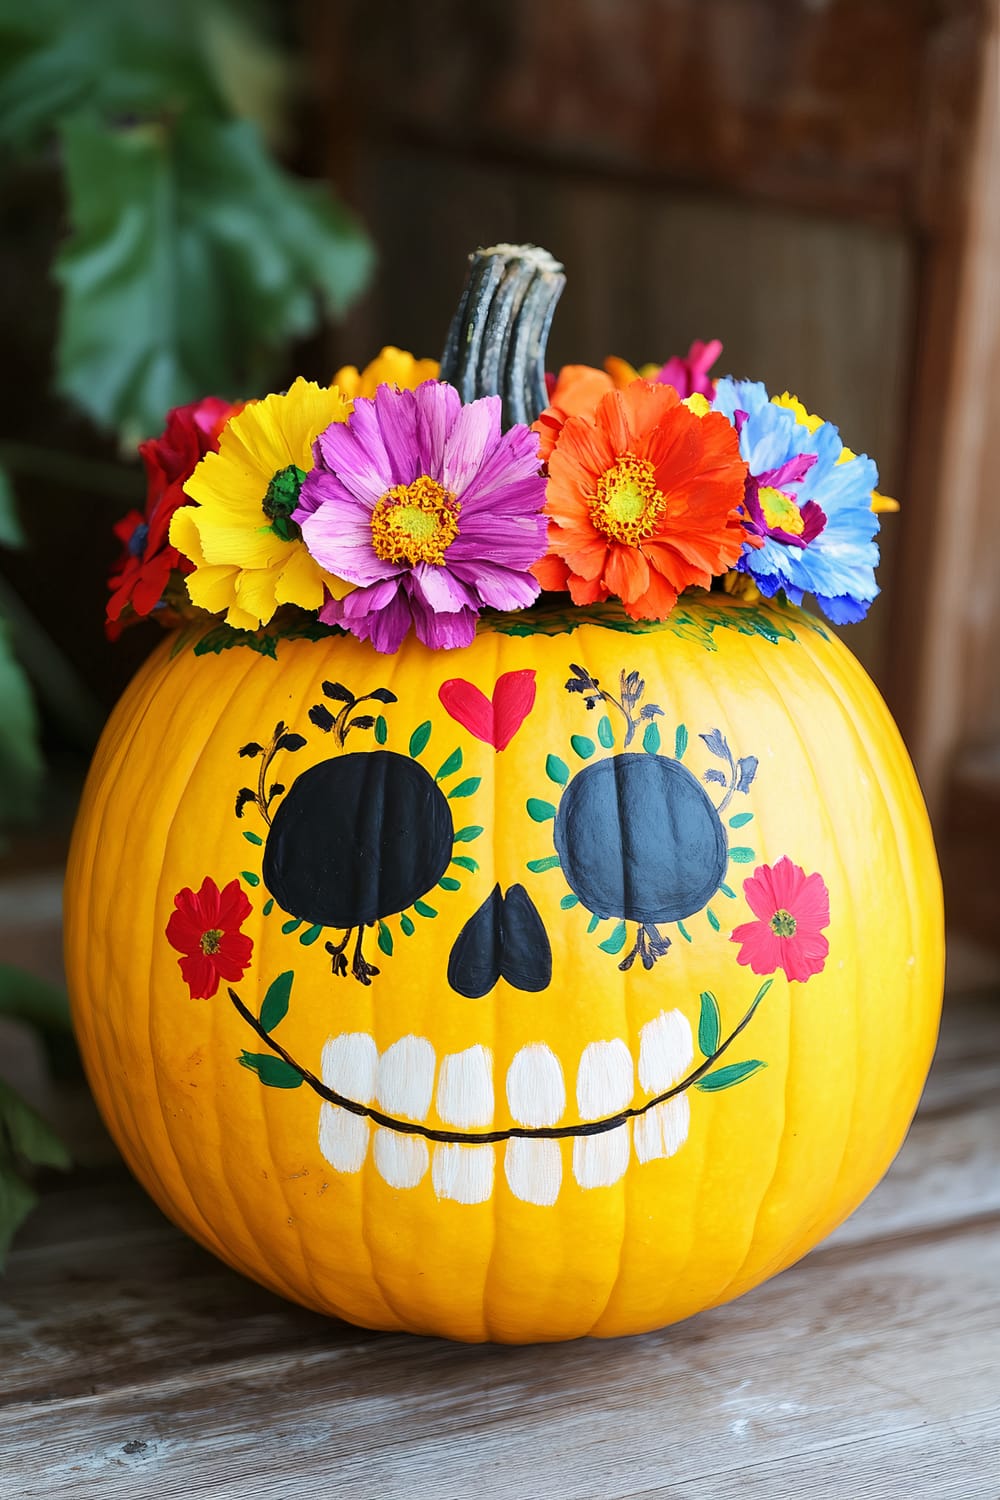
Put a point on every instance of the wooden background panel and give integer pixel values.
(800, 301)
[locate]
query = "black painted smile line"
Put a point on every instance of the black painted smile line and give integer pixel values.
(492, 1137)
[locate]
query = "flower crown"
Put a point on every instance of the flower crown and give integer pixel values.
(412, 496)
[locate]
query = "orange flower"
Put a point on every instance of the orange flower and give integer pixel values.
(643, 498)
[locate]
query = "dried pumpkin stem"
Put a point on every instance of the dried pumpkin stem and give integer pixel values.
(496, 343)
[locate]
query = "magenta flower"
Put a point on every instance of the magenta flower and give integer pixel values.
(429, 509)
(689, 376)
(791, 908)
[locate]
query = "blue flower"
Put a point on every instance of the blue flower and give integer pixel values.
(810, 507)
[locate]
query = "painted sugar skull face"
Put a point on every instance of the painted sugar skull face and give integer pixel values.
(470, 987)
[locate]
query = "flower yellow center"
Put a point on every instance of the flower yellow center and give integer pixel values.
(628, 505)
(211, 941)
(415, 523)
(780, 511)
(783, 924)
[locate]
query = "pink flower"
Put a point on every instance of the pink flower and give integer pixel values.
(689, 376)
(791, 908)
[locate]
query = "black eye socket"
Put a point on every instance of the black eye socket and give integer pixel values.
(504, 939)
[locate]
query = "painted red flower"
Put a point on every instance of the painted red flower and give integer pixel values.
(143, 570)
(791, 908)
(205, 929)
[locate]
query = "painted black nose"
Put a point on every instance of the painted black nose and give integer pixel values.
(504, 939)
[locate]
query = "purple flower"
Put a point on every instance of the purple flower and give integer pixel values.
(429, 509)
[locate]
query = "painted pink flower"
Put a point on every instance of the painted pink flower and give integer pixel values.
(205, 929)
(791, 908)
(429, 509)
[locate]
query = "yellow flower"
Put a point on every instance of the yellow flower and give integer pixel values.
(623, 374)
(880, 503)
(248, 553)
(390, 367)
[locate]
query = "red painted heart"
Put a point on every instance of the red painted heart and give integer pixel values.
(494, 720)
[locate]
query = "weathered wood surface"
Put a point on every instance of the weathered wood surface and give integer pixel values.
(133, 1364)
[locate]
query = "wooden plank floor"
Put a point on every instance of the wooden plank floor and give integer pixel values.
(133, 1364)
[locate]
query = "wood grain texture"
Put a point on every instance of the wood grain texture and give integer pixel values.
(132, 1363)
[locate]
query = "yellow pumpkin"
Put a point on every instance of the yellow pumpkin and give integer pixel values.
(572, 1103)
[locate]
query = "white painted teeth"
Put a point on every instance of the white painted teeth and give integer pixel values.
(402, 1084)
(666, 1051)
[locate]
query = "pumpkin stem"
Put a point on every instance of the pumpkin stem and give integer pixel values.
(496, 342)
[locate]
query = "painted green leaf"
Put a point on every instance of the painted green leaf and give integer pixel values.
(272, 1071)
(252, 838)
(616, 942)
(557, 770)
(651, 738)
(406, 923)
(250, 877)
(762, 991)
(449, 883)
(384, 938)
(713, 920)
(467, 787)
(450, 766)
(423, 909)
(568, 902)
(419, 738)
(740, 820)
(709, 1024)
(268, 906)
(275, 1006)
(582, 747)
(550, 862)
(683, 932)
(466, 861)
(539, 810)
(727, 890)
(680, 741)
(741, 856)
(466, 835)
(292, 925)
(593, 924)
(310, 935)
(605, 733)
(724, 1078)
(381, 730)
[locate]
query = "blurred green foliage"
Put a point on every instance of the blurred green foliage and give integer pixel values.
(192, 255)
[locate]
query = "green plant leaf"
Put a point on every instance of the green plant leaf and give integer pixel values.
(385, 939)
(310, 935)
(709, 1024)
(582, 746)
(419, 738)
(11, 534)
(271, 1070)
(466, 835)
(20, 760)
(713, 920)
(741, 856)
(549, 862)
(275, 1006)
(250, 877)
(540, 811)
(616, 942)
(466, 862)
(25, 997)
(680, 741)
(25, 1135)
(450, 766)
(381, 730)
(407, 924)
(252, 838)
(449, 883)
(191, 257)
(740, 820)
(17, 1200)
(423, 909)
(651, 738)
(292, 925)
(568, 902)
(605, 733)
(557, 770)
(466, 788)
(732, 1073)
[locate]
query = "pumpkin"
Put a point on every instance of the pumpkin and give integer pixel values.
(566, 984)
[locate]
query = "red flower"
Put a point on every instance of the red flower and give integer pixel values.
(205, 928)
(143, 571)
(643, 496)
(791, 908)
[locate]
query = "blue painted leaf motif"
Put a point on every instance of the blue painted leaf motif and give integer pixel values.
(616, 942)
(715, 740)
(419, 738)
(741, 856)
(651, 739)
(605, 733)
(725, 1078)
(746, 770)
(557, 770)
(450, 766)
(713, 775)
(385, 939)
(466, 835)
(275, 1006)
(540, 811)
(467, 787)
(680, 741)
(381, 731)
(272, 1071)
(740, 820)
(550, 862)
(582, 746)
(709, 1024)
